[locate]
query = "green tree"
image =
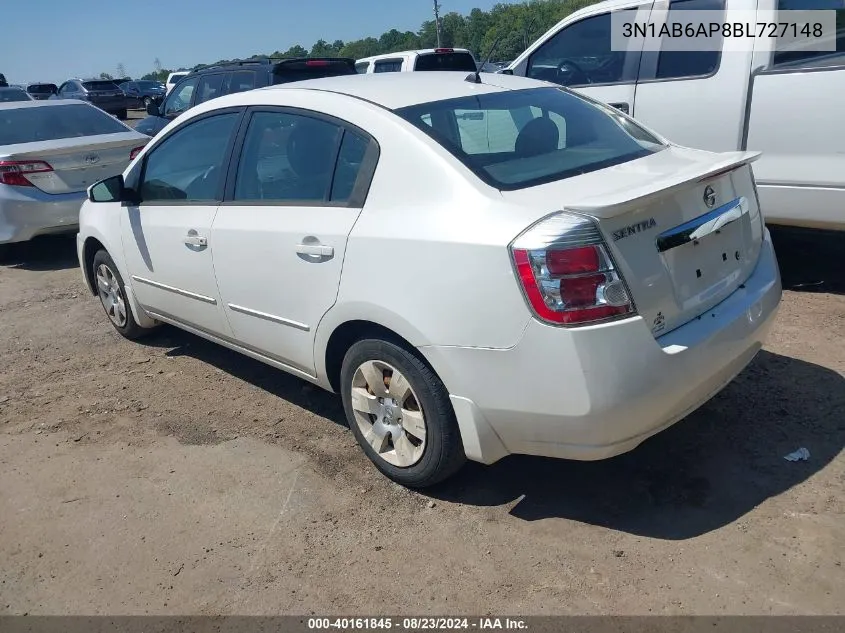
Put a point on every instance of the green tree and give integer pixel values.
(106, 76)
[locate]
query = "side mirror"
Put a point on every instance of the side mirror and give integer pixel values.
(507, 71)
(152, 109)
(110, 190)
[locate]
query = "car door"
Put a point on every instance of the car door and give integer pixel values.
(166, 235)
(581, 56)
(696, 97)
(280, 235)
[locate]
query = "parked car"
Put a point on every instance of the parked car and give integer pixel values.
(753, 102)
(14, 93)
(427, 59)
(50, 152)
(41, 91)
(215, 81)
(104, 94)
(140, 94)
(173, 79)
(358, 232)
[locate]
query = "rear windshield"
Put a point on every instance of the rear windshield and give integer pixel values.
(312, 69)
(48, 123)
(149, 85)
(41, 88)
(99, 85)
(521, 138)
(13, 94)
(445, 61)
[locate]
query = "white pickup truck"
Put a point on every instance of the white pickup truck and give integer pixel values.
(788, 104)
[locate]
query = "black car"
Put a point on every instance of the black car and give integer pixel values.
(40, 92)
(215, 81)
(103, 93)
(141, 93)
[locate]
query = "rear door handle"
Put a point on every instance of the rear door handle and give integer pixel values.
(315, 250)
(622, 107)
(196, 240)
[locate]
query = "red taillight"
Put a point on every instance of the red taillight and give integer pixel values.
(14, 172)
(135, 152)
(444, 50)
(566, 273)
(316, 62)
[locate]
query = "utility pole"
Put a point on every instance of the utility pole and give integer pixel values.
(437, 21)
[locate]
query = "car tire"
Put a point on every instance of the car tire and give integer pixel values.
(410, 434)
(112, 294)
(122, 115)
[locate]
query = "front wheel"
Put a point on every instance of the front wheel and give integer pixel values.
(400, 413)
(147, 102)
(112, 295)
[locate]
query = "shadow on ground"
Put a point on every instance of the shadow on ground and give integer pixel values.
(50, 252)
(810, 261)
(699, 475)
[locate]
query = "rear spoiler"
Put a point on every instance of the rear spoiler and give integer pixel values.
(649, 190)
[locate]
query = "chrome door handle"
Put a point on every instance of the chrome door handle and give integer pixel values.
(315, 250)
(196, 240)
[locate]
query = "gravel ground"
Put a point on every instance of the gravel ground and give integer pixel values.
(173, 477)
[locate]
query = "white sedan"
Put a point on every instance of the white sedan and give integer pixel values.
(477, 268)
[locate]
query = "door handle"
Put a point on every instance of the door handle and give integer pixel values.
(622, 107)
(315, 250)
(196, 240)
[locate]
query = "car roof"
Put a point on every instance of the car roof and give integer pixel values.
(398, 90)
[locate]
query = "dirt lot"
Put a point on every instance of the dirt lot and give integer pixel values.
(174, 476)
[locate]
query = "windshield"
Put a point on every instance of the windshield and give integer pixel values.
(521, 138)
(446, 61)
(48, 123)
(149, 85)
(99, 85)
(13, 94)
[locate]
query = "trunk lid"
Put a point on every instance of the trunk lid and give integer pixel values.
(77, 162)
(679, 254)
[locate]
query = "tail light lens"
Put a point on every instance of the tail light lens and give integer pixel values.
(135, 152)
(567, 274)
(13, 172)
(444, 50)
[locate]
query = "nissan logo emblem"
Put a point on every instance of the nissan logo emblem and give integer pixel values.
(709, 197)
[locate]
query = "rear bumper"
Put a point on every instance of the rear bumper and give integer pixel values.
(595, 392)
(112, 106)
(26, 212)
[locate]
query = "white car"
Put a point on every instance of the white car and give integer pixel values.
(477, 269)
(429, 59)
(50, 153)
(173, 79)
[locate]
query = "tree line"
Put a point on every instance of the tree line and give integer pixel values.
(514, 25)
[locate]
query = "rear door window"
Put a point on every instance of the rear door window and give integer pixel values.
(209, 87)
(387, 66)
(446, 61)
(242, 81)
(689, 64)
(795, 55)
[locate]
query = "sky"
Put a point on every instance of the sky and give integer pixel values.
(54, 40)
